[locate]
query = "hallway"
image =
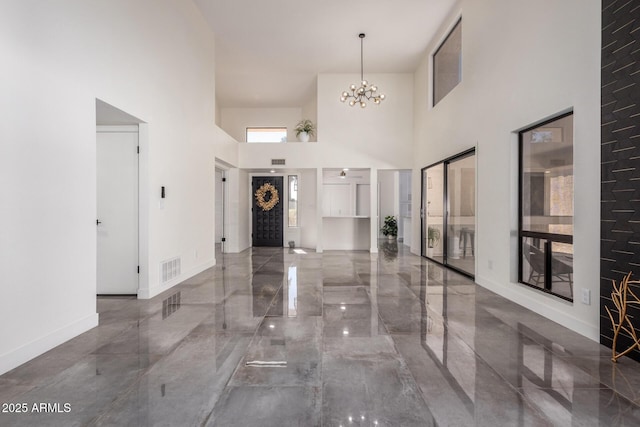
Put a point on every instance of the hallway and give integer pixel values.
(336, 339)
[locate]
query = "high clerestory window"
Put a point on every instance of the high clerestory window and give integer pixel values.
(447, 64)
(266, 134)
(546, 206)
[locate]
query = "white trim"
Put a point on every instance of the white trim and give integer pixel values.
(553, 308)
(35, 348)
(151, 292)
(117, 128)
(143, 207)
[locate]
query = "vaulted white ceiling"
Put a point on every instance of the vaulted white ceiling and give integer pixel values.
(269, 52)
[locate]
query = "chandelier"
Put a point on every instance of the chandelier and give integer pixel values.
(366, 91)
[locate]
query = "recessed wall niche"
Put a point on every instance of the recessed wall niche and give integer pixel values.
(346, 206)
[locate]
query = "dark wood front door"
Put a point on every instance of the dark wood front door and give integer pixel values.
(267, 214)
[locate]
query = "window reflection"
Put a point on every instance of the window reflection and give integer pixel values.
(545, 378)
(455, 359)
(292, 306)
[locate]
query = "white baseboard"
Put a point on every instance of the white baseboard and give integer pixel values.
(156, 290)
(35, 348)
(556, 312)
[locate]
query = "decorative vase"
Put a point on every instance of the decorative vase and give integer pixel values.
(303, 137)
(391, 237)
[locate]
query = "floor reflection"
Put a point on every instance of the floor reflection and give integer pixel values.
(389, 249)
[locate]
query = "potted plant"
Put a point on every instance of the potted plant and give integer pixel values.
(390, 228)
(433, 238)
(304, 129)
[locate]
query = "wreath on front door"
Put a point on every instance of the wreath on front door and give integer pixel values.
(267, 205)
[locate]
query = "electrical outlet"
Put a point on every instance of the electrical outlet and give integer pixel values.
(586, 296)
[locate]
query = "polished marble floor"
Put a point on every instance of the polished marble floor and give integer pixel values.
(277, 337)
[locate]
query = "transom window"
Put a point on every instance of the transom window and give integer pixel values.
(266, 134)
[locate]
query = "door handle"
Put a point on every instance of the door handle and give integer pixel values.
(98, 222)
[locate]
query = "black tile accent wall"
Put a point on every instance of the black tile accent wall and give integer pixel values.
(620, 148)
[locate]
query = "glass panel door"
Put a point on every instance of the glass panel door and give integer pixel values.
(448, 212)
(433, 211)
(461, 216)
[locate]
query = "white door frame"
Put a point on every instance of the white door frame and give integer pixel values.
(220, 165)
(130, 129)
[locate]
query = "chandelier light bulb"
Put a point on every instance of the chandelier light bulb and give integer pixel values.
(364, 83)
(345, 93)
(343, 98)
(352, 87)
(374, 88)
(381, 97)
(352, 102)
(363, 104)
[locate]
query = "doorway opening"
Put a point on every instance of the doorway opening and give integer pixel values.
(118, 207)
(394, 199)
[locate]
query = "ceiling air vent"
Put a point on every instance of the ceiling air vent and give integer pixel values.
(277, 162)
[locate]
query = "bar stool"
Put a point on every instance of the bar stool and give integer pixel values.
(466, 233)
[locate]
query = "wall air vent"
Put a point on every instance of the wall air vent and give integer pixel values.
(277, 162)
(170, 269)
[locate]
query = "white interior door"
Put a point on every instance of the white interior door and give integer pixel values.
(117, 222)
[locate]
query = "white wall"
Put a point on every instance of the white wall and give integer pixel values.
(235, 121)
(239, 221)
(225, 147)
(310, 110)
(515, 75)
(307, 201)
(154, 60)
(350, 234)
(376, 137)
